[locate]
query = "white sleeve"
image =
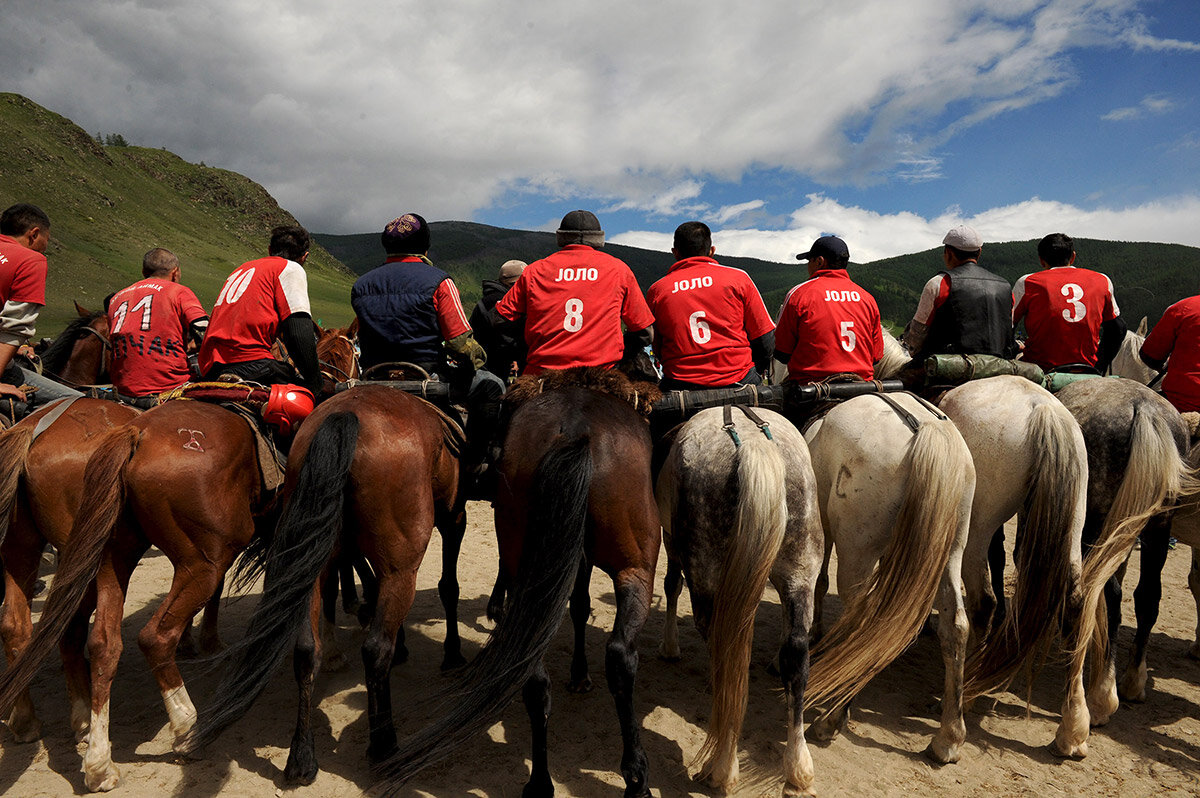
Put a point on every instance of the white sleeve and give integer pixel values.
(294, 282)
(17, 322)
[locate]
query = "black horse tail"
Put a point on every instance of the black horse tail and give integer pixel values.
(551, 552)
(79, 561)
(14, 451)
(305, 539)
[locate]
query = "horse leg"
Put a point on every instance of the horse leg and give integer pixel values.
(1070, 740)
(397, 589)
(22, 556)
(672, 586)
(1194, 584)
(350, 602)
(581, 610)
(793, 671)
(854, 568)
(822, 590)
(452, 529)
(495, 605)
(1146, 597)
(100, 774)
(370, 586)
(301, 765)
(333, 659)
(1102, 691)
(621, 663)
(952, 634)
(996, 561)
(536, 694)
(210, 638)
(75, 667)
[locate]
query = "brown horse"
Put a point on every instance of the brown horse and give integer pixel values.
(371, 473)
(574, 493)
(184, 477)
(79, 356)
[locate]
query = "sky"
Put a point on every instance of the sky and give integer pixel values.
(774, 121)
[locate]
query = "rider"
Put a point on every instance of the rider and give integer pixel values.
(503, 350)
(408, 309)
(149, 324)
(574, 302)
(964, 309)
(828, 324)
(1177, 336)
(263, 300)
(24, 236)
(1070, 313)
(713, 329)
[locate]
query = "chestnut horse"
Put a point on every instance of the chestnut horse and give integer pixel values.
(371, 473)
(574, 493)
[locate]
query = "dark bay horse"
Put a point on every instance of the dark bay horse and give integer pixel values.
(78, 357)
(574, 493)
(371, 473)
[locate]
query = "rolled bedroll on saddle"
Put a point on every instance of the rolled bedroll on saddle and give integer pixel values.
(964, 368)
(1057, 380)
(771, 396)
(426, 389)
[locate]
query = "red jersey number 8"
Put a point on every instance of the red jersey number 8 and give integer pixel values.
(573, 322)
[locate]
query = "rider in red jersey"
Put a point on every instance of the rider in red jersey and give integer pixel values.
(149, 325)
(1177, 336)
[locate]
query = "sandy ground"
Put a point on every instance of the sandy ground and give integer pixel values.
(1150, 748)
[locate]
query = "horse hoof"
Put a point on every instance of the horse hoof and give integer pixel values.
(539, 789)
(583, 685)
(103, 781)
(26, 732)
(792, 791)
(941, 754)
(300, 770)
(399, 656)
(211, 646)
(669, 656)
(453, 661)
(1069, 751)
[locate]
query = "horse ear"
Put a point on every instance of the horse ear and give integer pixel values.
(352, 330)
(81, 310)
(1141, 330)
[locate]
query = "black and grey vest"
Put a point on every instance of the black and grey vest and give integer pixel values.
(976, 318)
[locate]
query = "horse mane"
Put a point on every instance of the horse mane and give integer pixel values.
(55, 358)
(895, 357)
(641, 396)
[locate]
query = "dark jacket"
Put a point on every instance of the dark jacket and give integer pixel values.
(397, 320)
(502, 347)
(976, 318)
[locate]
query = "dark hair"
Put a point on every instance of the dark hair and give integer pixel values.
(289, 242)
(18, 219)
(965, 254)
(159, 262)
(693, 239)
(1056, 249)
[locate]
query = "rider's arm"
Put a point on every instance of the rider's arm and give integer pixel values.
(932, 295)
(1112, 334)
(296, 332)
(17, 322)
(761, 349)
(637, 340)
(452, 320)
(197, 329)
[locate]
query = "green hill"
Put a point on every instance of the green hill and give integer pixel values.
(108, 205)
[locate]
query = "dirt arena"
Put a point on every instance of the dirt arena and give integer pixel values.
(1147, 749)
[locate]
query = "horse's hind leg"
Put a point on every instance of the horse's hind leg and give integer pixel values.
(822, 589)
(452, 529)
(996, 562)
(793, 671)
(581, 610)
(397, 588)
(621, 663)
(952, 634)
(1194, 584)
(22, 554)
(1146, 597)
(1070, 739)
(672, 586)
(536, 693)
(301, 765)
(210, 637)
(1102, 690)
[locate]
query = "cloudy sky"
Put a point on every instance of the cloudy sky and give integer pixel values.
(773, 120)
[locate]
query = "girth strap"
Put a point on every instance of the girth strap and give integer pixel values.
(763, 426)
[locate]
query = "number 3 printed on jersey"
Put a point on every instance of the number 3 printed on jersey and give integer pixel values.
(1073, 293)
(142, 304)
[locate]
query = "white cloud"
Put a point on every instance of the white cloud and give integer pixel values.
(729, 213)
(872, 236)
(349, 114)
(1153, 104)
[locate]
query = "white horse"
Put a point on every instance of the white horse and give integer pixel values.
(895, 482)
(1127, 362)
(738, 508)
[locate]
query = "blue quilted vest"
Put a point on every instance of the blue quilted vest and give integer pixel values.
(397, 321)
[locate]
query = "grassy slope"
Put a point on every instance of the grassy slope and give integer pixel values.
(108, 205)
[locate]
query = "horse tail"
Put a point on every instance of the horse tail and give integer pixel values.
(14, 449)
(1156, 477)
(304, 540)
(1043, 554)
(761, 520)
(79, 561)
(551, 553)
(887, 614)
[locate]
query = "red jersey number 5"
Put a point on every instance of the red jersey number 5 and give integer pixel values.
(847, 336)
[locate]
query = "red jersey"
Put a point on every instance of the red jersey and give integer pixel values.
(1177, 335)
(705, 315)
(1063, 309)
(254, 300)
(22, 273)
(829, 325)
(573, 303)
(148, 323)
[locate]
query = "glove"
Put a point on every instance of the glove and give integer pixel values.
(466, 346)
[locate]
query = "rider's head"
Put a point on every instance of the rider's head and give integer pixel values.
(160, 263)
(291, 242)
(26, 224)
(692, 239)
(580, 227)
(511, 270)
(1056, 249)
(406, 235)
(827, 252)
(962, 244)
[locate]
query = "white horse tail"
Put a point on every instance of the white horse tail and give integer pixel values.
(761, 520)
(1058, 476)
(887, 613)
(1156, 477)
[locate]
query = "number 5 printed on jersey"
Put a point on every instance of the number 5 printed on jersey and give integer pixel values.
(847, 335)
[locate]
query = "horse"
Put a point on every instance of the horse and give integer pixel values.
(738, 505)
(185, 477)
(1127, 362)
(79, 356)
(1030, 459)
(574, 493)
(896, 482)
(1137, 444)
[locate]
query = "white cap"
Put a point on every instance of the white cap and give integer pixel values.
(963, 238)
